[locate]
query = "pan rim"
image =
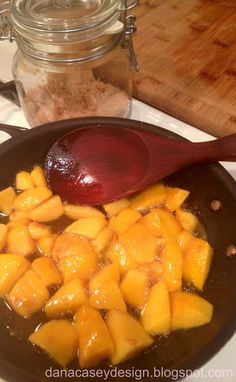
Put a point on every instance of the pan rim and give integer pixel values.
(9, 371)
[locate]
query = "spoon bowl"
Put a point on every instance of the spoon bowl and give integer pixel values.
(97, 164)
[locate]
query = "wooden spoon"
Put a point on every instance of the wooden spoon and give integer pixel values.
(97, 164)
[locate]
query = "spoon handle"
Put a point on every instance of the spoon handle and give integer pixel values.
(223, 149)
(180, 154)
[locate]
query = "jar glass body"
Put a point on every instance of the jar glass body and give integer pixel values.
(73, 58)
(51, 90)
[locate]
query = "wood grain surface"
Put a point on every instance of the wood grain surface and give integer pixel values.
(187, 55)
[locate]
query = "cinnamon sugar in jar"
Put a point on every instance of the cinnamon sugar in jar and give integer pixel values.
(74, 58)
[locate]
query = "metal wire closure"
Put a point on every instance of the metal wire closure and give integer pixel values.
(6, 30)
(129, 29)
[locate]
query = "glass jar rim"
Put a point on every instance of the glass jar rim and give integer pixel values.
(55, 18)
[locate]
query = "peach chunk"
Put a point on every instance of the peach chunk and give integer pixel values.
(66, 300)
(67, 245)
(24, 181)
(7, 198)
(117, 254)
(128, 336)
(82, 266)
(107, 297)
(95, 343)
(45, 245)
(125, 219)
(29, 199)
(196, 262)
(189, 310)
(12, 267)
(172, 263)
(134, 287)
(87, 227)
(38, 177)
(103, 239)
(20, 242)
(170, 227)
(184, 240)
(108, 273)
(37, 230)
(28, 295)
(156, 316)
(3, 236)
(139, 243)
(113, 208)
(150, 197)
(47, 270)
(175, 197)
(188, 221)
(154, 271)
(59, 339)
(153, 222)
(76, 212)
(47, 211)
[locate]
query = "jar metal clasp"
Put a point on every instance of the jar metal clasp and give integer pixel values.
(129, 29)
(6, 29)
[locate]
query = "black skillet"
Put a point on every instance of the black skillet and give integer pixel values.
(190, 349)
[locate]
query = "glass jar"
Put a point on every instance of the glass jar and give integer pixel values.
(74, 58)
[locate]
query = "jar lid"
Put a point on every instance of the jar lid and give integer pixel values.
(49, 17)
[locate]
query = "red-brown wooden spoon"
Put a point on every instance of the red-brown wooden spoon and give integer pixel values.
(96, 164)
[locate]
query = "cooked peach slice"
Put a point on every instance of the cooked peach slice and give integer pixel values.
(188, 221)
(75, 212)
(113, 208)
(175, 197)
(29, 199)
(108, 273)
(87, 227)
(126, 218)
(102, 240)
(172, 263)
(68, 299)
(153, 222)
(67, 245)
(38, 177)
(7, 198)
(24, 181)
(12, 267)
(108, 297)
(117, 254)
(134, 287)
(153, 269)
(28, 295)
(19, 216)
(139, 243)
(37, 230)
(184, 240)
(197, 261)
(82, 266)
(45, 245)
(47, 270)
(95, 343)
(47, 211)
(128, 335)
(189, 310)
(3, 236)
(150, 197)
(20, 242)
(170, 227)
(59, 339)
(156, 316)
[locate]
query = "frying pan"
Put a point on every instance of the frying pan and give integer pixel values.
(190, 349)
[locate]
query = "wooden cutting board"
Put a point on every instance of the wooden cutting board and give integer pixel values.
(186, 50)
